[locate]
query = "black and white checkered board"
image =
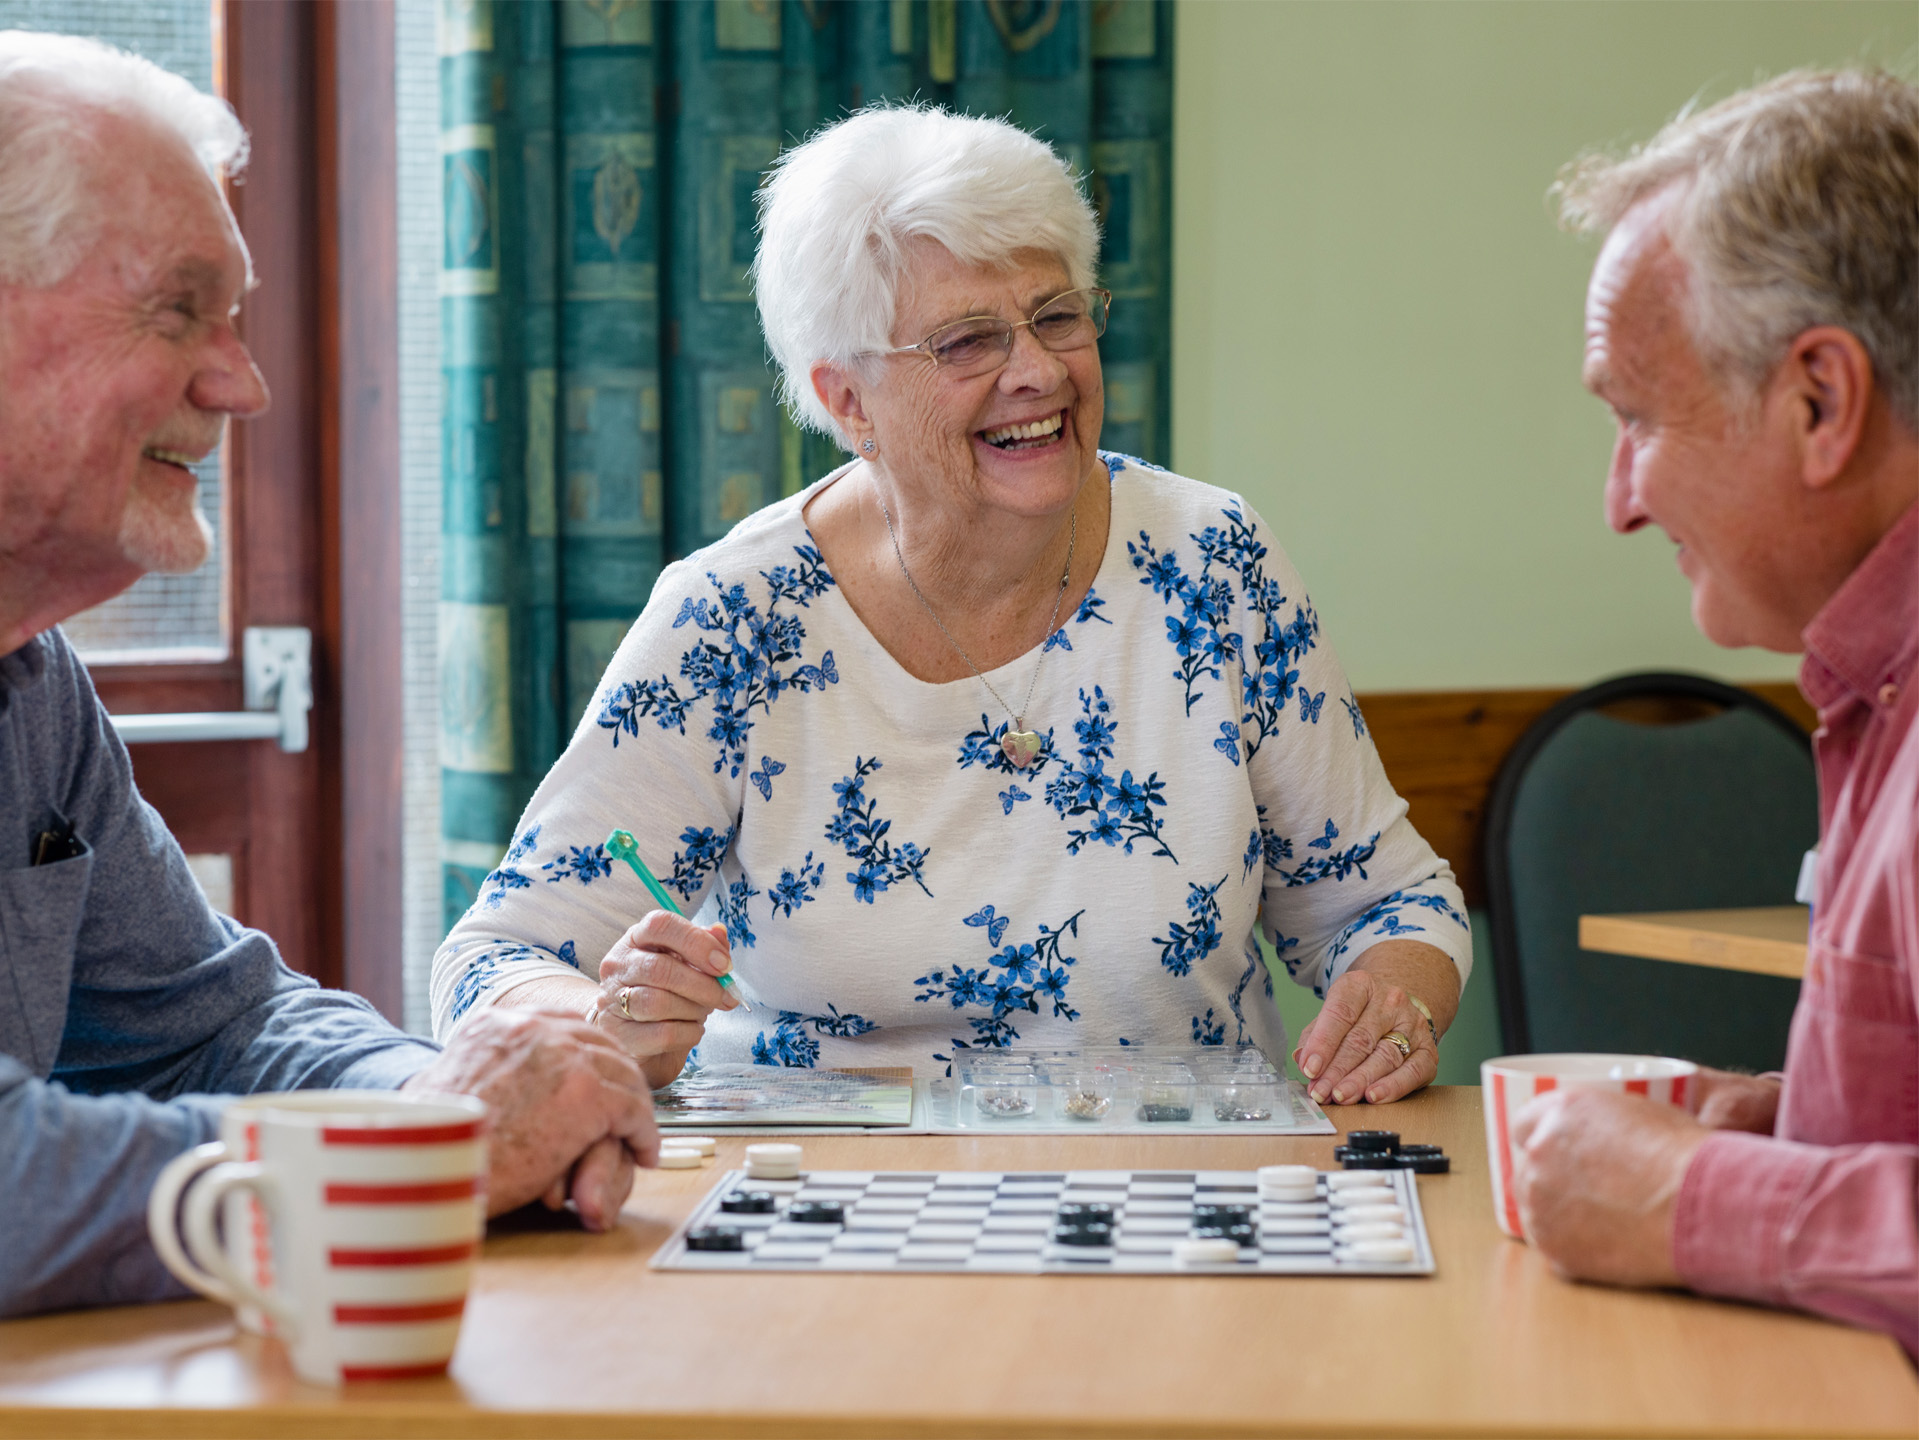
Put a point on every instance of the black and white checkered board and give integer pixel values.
(992, 1223)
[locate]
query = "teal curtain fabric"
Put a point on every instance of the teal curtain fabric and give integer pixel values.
(608, 404)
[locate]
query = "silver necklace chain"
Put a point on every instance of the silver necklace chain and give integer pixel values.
(1065, 575)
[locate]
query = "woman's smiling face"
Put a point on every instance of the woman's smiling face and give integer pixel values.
(1021, 438)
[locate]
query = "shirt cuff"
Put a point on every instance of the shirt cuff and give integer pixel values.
(1735, 1204)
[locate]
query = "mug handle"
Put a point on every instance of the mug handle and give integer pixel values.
(204, 1246)
(163, 1206)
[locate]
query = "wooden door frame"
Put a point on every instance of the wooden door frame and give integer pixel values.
(312, 501)
(356, 123)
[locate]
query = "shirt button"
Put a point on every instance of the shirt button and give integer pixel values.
(1888, 693)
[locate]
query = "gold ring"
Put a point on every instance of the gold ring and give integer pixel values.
(1391, 1037)
(626, 990)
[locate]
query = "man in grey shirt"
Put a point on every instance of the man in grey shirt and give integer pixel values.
(128, 1007)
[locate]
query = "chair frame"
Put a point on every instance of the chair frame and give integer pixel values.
(1515, 1030)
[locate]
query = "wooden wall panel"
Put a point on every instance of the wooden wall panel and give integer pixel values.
(1442, 750)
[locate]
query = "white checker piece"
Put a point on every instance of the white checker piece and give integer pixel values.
(986, 1222)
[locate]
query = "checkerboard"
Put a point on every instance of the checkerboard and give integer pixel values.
(991, 1222)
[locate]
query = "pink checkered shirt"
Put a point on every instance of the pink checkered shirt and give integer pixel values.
(1824, 1214)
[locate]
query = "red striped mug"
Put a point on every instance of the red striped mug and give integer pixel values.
(1510, 1081)
(352, 1220)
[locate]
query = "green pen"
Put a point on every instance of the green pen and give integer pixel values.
(622, 846)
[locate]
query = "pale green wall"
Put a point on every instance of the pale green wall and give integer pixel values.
(1377, 324)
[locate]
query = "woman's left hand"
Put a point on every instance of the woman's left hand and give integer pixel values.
(1345, 1053)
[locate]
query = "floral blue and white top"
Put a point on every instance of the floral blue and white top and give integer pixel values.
(894, 889)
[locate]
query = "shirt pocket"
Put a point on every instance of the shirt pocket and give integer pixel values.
(1850, 1079)
(40, 912)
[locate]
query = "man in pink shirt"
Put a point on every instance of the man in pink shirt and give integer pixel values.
(1753, 323)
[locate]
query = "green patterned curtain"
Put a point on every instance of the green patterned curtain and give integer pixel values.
(608, 403)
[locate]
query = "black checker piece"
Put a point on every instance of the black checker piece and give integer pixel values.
(1086, 1232)
(1222, 1214)
(1074, 1211)
(816, 1212)
(715, 1237)
(1239, 1234)
(748, 1202)
(1386, 1140)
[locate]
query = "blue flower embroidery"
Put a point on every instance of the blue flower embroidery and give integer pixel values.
(1185, 945)
(567, 954)
(1089, 609)
(1387, 917)
(1207, 1031)
(506, 878)
(1017, 977)
(704, 849)
(795, 889)
(1011, 796)
(1116, 462)
(1122, 810)
(1200, 633)
(791, 1046)
(737, 665)
(582, 863)
(732, 901)
(470, 986)
(1334, 865)
(1235, 998)
(1352, 713)
(859, 830)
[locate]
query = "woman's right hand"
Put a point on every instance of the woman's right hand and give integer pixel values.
(657, 986)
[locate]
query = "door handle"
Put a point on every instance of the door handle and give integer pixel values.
(277, 670)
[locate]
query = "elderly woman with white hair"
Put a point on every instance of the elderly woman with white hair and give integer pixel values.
(987, 737)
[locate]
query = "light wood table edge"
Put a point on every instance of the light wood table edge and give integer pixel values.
(1658, 936)
(369, 1422)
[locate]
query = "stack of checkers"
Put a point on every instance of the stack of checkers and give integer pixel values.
(686, 1152)
(1381, 1150)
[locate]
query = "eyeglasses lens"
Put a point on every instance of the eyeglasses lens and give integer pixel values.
(974, 346)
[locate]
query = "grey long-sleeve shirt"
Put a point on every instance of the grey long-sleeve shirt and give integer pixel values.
(128, 1007)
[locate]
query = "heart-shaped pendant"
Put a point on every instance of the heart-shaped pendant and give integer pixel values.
(1019, 747)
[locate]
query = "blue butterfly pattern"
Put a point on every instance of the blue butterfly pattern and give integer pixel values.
(995, 925)
(762, 778)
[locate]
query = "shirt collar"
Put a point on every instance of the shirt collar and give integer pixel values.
(1866, 637)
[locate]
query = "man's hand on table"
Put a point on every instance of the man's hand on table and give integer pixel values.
(572, 1115)
(1729, 1101)
(1596, 1174)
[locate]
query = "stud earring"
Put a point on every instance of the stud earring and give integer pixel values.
(866, 447)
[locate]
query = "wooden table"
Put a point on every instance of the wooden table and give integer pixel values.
(1766, 941)
(570, 1335)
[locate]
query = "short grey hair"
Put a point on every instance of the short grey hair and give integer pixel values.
(1800, 207)
(53, 91)
(837, 213)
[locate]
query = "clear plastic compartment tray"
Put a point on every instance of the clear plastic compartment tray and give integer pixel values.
(1178, 1086)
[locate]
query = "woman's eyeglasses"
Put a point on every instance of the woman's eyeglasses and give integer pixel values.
(980, 343)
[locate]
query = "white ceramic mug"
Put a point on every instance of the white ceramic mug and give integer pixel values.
(1510, 1081)
(352, 1221)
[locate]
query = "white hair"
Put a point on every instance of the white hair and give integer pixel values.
(1800, 207)
(837, 213)
(54, 89)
